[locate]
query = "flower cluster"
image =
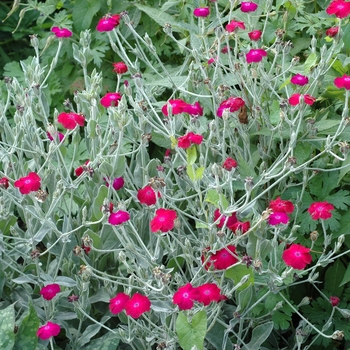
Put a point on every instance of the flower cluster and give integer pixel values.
(186, 295)
(280, 208)
(134, 306)
(179, 106)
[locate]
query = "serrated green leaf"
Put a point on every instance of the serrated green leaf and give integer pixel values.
(191, 334)
(237, 272)
(281, 320)
(7, 324)
(259, 335)
(26, 337)
(83, 12)
(191, 155)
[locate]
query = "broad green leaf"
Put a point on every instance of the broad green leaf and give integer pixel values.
(109, 341)
(281, 320)
(310, 62)
(201, 225)
(259, 335)
(346, 36)
(275, 111)
(237, 272)
(216, 335)
(176, 263)
(161, 140)
(334, 277)
(191, 155)
(98, 202)
(7, 324)
(346, 277)
(83, 12)
(244, 298)
(191, 334)
(26, 337)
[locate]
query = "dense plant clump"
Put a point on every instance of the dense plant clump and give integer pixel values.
(175, 175)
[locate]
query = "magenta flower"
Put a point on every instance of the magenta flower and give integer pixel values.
(320, 210)
(117, 304)
(332, 32)
(185, 296)
(48, 330)
(120, 67)
(61, 32)
(281, 205)
(201, 12)
(339, 8)
(108, 23)
(29, 183)
(49, 292)
(334, 300)
(224, 258)
(234, 104)
(190, 138)
(111, 99)
(195, 109)
(295, 99)
(232, 219)
(119, 217)
(233, 25)
(164, 220)
(137, 305)
(255, 35)
(278, 217)
(240, 226)
(207, 293)
(299, 79)
(255, 55)
(342, 82)
(297, 256)
(70, 120)
(147, 196)
(118, 183)
(248, 6)
(58, 135)
(4, 183)
(229, 164)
